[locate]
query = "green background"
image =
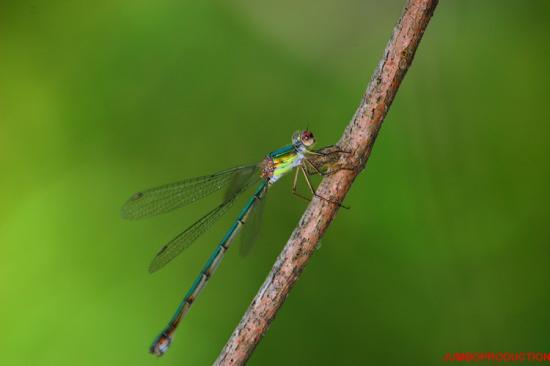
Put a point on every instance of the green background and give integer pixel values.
(445, 249)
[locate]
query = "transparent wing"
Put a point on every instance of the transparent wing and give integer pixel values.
(252, 228)
(186, 238)
(238, 180)
(168, 197)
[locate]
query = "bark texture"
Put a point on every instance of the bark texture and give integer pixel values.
(358, 139)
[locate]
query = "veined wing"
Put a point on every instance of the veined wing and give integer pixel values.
(252, 228)
(168, 197)
(186, 238)
(238, 180)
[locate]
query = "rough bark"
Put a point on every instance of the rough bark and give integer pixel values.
(358, 139)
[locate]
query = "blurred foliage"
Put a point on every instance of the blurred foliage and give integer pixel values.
(445, 248)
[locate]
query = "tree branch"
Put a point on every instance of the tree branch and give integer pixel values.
(358, 139)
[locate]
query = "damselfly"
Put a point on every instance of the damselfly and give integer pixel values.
(297, 155)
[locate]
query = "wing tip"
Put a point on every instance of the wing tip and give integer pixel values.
(126, 211)
(127, 214)
(154, 266)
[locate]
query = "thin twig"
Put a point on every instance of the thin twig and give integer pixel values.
(358, 138)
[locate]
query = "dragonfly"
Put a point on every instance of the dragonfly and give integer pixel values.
(298, 156)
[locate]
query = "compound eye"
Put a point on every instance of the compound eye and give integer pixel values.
(307, 138)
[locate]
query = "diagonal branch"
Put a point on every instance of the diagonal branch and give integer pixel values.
(358, 138)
